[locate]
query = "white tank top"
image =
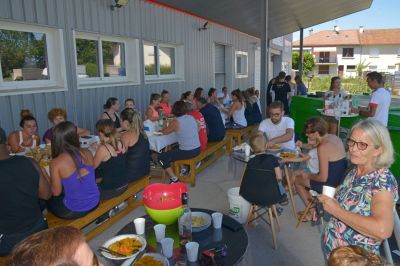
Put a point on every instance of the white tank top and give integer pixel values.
(239, 118)
(21, 141)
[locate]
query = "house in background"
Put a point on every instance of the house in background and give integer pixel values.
(338, 52)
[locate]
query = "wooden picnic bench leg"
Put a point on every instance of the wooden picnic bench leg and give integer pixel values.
(192, 177)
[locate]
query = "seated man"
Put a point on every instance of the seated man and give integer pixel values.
(278, 129)
(215, 125)
(22, 184)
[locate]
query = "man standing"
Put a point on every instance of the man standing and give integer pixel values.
(278, 129)
(215, 125)
(282, 91)
(378, 107)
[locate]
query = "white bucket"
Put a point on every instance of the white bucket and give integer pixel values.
(238, 206)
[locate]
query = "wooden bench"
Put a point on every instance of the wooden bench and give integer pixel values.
(238, 136)
(214, 151)
(104, 207)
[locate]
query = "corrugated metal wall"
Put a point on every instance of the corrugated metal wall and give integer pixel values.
(140, 20)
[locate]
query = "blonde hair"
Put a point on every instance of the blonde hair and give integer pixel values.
(107, 127)
(379, 135)
(354, 256)
(258, 143)
(134, 120)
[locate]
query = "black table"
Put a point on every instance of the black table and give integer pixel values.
(237, 242)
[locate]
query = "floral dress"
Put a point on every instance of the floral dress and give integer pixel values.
(355, 195)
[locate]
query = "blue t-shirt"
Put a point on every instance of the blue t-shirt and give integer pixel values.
(215, 126)
(302, 89)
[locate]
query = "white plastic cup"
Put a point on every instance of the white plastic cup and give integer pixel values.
(217, 219)
(247, 150)
(328, 191)
(139, 225)
(217, 235)
(159, 229)
(192, 251)
(167, 245)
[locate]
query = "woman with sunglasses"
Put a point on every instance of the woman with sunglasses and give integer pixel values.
(332, 163)
(363, 205)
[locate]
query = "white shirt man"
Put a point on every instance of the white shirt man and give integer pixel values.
(380, 100)
(278, 129)
(378, 108)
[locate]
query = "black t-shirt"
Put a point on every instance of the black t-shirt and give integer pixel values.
(19, 188)
(138, 159)
(281, 90)
(215, 126)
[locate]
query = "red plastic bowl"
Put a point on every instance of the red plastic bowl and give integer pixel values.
(164, 196)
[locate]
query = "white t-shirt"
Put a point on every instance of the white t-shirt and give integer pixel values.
(272, 130)
(313, 162)
(381, 99)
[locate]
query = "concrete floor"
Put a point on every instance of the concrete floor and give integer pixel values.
(295, 246)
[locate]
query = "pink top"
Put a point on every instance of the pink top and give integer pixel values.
(154, 114)
(167, 108)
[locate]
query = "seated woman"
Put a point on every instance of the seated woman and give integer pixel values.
(236, 110)
(135, 139)
(111, 108)
(188, 139)
(248, 111)
(152, 111)
(109, 161)
(56, 116)
(198, 93)
(332, 161)
(255, 102)
(362, 208)
(22, 184)
(27, 137)
(201, 125)
(68, 242)
(165, 103)
(187, 96)
(72, 178)
(212, 96)
(130, 103)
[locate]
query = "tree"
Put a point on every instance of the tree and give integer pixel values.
(308, 62)
(361, 67)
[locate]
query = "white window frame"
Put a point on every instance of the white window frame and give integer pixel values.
(246, 73)
(131, 52)
(347, 57)
(351, 70)
(178, 60)
(374, 52)
(55, 63)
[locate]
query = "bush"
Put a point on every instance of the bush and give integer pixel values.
(350, 85)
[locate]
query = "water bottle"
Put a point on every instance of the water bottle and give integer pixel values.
(185, 222)
(355, 101)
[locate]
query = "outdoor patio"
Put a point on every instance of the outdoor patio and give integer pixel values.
(295, 246)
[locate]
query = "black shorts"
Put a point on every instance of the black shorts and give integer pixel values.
(166, 158)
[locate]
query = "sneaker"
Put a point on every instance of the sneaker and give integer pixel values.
(184, 171)
(173, 180)
(284, 201)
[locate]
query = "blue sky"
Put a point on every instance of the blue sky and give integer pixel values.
(382, 14)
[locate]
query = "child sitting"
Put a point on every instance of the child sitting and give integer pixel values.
(264, 161)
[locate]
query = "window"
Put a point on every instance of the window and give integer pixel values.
(351, 68)
(162, 61)
(372, 67)
(373, 52)
(28, 59)
(391, 67)
(241, 69)
(348, 52)
(104, 59)
(323, 69)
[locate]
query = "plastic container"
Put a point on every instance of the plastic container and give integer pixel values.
(238, 206)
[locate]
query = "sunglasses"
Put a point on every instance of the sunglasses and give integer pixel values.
(362, 146)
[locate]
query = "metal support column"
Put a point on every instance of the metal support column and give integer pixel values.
(301, 53)
(264, 55)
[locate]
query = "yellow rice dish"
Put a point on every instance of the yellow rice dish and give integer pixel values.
(126, 246)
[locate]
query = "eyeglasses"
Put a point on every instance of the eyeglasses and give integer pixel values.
(274, 114)
(95, 260)
(362, 146)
